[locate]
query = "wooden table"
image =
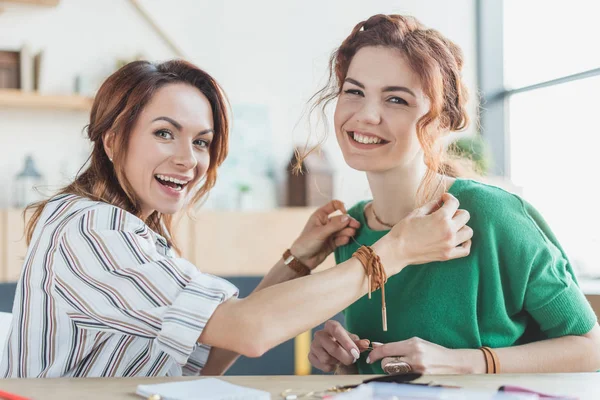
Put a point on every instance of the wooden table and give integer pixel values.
(585, 386)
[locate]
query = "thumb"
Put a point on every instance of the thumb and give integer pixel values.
(362, 344)
(334, 225)
(429, 207)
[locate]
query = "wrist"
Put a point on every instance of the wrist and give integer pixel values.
(283, 273)
(295, 264)
(391, 256)
(302, 257)
(470, 361)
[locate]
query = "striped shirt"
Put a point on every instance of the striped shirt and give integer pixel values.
(101, 294)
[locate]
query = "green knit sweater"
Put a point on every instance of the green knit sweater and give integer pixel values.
(516, 286)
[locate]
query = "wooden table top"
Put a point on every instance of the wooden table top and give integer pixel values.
(585, 386)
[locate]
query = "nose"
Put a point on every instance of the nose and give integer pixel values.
(369, 113)
(184, 156)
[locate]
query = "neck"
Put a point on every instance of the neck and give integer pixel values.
(395, 192)
(145, 214)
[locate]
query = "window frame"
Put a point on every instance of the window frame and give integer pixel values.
(494, 95)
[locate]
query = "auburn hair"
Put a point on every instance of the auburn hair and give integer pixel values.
(436, 60)
(116, 108)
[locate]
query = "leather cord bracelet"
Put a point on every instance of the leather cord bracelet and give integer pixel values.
(295, 264)
(375, 274)
(491, 360)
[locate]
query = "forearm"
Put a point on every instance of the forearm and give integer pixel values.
(278, 274)
(220, 360)
(272, 315)
(563, 354)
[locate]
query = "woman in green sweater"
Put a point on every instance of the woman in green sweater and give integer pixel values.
(399, 93)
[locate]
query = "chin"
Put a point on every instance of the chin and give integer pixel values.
(169, 209)
(363, 164)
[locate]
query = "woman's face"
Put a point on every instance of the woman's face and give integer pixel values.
(168, 152)
(377, 111)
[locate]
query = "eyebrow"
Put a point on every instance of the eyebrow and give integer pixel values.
(178, 125)
(385, 89)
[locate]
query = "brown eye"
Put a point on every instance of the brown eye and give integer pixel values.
(355, 92)
(164, 134)
(204, 144)
(397, 100)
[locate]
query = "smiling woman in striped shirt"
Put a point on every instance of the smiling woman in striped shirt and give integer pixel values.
(102, 291)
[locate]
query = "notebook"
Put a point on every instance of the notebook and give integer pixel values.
(202, 389)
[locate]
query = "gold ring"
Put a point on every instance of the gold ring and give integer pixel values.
(397, 367)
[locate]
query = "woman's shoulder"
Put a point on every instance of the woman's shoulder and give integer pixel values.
(492, 207)
(70, 209)
(479, 197)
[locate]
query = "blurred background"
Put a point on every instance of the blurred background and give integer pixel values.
(532, 68)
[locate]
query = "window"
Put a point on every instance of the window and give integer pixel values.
(547, 40)
(548, 105)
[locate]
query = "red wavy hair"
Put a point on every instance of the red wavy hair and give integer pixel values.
(436, 60)
(117, 106)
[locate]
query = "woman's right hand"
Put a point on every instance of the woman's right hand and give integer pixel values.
(334, 347)
(430, 233)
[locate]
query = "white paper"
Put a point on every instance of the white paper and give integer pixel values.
(202, 389)
(395, 391)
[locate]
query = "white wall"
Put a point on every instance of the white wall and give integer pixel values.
(79, 37)
(267, 52)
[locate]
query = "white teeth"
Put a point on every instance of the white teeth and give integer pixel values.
(365, 139)
(170, 179)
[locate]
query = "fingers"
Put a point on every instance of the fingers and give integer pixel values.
(323, 356)
(464, 234)
(460, 251)
(354, 223)
(450, 205)
(315, 362)
(336, 351)
(340, 241)
(343, 237)
(363, 344)
(461, 217)
(395, 349)
(331, 207)
(429, 207)
(395, 365)
(346, 232)
(318, 355)
(334, 345)
(340, 226)
(342, 337)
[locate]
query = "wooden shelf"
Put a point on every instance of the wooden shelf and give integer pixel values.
(44, 3)
(18, 99)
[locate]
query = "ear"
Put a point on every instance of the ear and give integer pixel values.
(109, 142)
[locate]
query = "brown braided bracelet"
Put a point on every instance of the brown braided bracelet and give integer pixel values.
(375, 274)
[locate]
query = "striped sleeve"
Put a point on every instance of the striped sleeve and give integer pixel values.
(111, 277)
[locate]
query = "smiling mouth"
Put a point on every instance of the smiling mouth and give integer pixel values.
(366, 139)
(172, 183)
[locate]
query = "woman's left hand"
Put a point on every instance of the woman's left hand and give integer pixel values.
(322, 235)
(422, 356)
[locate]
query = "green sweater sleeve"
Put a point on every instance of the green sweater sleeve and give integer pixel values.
(552, 296)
